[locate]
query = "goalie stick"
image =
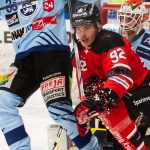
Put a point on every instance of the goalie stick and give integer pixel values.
(16, 4)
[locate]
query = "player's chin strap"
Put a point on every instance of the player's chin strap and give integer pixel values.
(17, 4)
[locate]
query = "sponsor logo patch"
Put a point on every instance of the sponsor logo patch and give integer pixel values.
(141, 101)
(17, 33)
(12, 19)
(48, 5)
(53, 88)
(40, 23)
(28, 9)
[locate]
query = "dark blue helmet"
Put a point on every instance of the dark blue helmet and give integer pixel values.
(85, 13)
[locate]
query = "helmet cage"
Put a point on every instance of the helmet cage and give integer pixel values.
(129, 21)
(131, 18)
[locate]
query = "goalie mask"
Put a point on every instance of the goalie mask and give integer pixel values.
(85, 13)
(132, 16)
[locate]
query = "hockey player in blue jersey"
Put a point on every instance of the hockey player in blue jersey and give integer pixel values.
(42, 60)
(132, 17)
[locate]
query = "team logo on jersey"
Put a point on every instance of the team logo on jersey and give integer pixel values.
(12, 19)
(48, 5)
(28, 9)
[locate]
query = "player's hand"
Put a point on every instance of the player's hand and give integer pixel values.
(84, 112)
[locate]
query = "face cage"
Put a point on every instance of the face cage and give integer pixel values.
(130, 21)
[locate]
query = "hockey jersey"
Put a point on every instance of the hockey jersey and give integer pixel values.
(36, 26)
(141, 44)
(113, 60)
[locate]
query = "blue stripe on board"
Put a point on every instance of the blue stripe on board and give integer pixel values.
(15, 135)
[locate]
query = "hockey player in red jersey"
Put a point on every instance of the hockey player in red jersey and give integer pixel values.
(109, 56)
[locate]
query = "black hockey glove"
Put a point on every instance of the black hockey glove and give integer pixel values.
(93, 90)
(92, 106)
(92, 85)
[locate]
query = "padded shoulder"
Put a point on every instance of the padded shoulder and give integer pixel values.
(107, 40)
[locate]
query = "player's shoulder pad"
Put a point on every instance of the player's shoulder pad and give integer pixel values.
(107, 40)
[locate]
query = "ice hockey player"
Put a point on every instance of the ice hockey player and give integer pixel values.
(116, 69)
(132, 18)
(42, 61)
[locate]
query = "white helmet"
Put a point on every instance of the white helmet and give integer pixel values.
(132, 16)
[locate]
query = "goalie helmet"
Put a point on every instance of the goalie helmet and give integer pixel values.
(132, 16)
(85, 13)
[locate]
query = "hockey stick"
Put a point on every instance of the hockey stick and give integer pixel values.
(17, 4)
(77, 59)
(56, 143)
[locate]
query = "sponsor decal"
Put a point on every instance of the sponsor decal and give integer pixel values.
(7, 76)
(17, 33)
(12, 19)
(143, 52)
(122, 141)
(53, 88)
(120, 81)
(28, 9)
(142, 100)
(40, 23)
(48, 5)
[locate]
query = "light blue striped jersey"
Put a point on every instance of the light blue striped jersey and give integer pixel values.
(36, 26)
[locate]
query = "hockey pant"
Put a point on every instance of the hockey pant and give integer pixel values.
(14, 131)
(124, 130)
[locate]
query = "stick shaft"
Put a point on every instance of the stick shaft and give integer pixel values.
(78, 65)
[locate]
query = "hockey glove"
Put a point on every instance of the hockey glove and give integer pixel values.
(84, 112)
(92, 85)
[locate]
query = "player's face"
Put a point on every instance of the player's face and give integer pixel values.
(86, 34)
(129, 24)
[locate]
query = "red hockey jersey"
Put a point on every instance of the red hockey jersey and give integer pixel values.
(113, 60)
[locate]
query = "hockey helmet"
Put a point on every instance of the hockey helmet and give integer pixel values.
(132, 15)
(85, 13)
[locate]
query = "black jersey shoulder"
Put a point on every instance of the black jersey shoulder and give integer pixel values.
(106, 40)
